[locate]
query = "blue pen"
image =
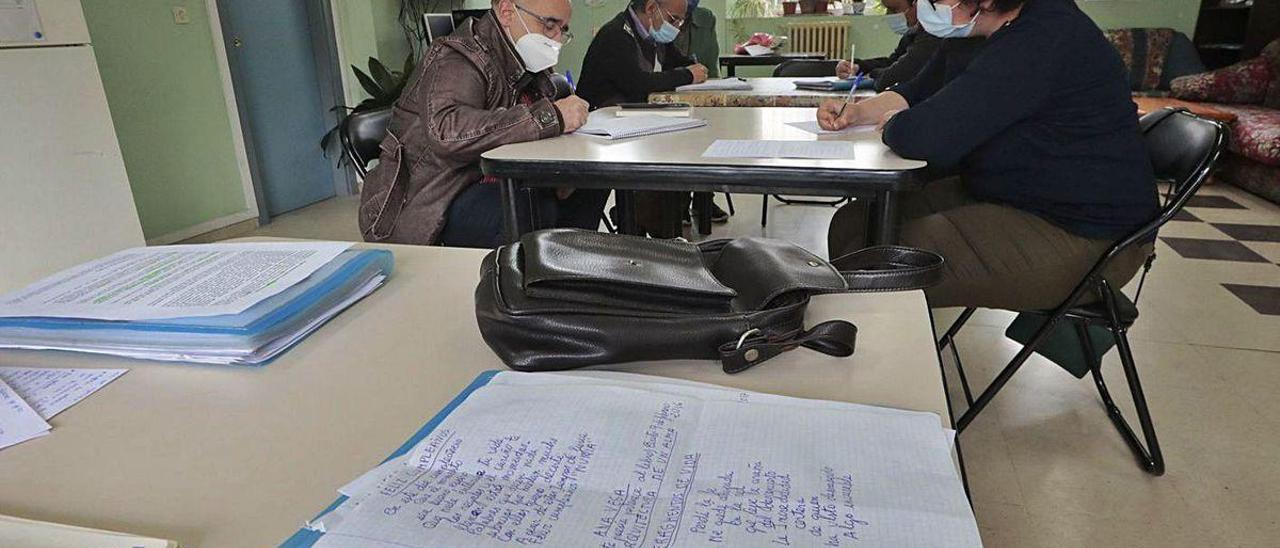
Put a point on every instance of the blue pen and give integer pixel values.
(568, 75)
(849, 98)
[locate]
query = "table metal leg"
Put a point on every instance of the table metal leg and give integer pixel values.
(517, 210)
(702, 203)
(884, 217)
(626, 212)
(730, 70)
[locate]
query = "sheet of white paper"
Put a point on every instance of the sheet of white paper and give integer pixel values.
(723, 84)
(812, 126)
(743, 148)
(616, 460)
(18, 421)
(52, 391)
(756, 50)
(172, 281)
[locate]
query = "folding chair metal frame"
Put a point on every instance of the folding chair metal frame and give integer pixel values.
(1107, 312)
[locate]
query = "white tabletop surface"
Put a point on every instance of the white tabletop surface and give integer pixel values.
(686, 147)
(225, 456)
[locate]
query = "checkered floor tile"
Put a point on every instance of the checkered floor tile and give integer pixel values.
(1244, 244)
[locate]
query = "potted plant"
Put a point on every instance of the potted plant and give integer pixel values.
(744, 9)
(790, 7)
(813, 6)
(383, 86)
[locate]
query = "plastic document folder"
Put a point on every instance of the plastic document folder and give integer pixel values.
(616, 459)
(252, 337)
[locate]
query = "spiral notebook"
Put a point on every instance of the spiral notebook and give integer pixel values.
(605, 124)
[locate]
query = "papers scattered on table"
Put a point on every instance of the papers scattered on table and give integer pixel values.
(18, 421)
(52, 391)
(605, 124)
(812, 126)
(723, 84)
(628, 460)
(177, 281)
(288, 308)
(756, 50)
(742, 148)
(42, 534)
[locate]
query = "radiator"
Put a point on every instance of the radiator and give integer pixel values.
(827, 37)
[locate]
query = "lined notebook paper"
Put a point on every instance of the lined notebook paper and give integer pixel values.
(816, 150)
(628, 460)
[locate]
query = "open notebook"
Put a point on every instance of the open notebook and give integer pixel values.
(605, 124)
(42, 534)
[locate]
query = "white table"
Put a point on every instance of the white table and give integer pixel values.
(224, 456)
(673, 161)
(764, 92)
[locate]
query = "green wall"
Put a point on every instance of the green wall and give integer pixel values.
(869, 33)
(166, 97)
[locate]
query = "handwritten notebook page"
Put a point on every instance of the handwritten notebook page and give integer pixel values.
(615, 460)
(52, 391)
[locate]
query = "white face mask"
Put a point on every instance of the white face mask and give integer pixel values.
(898, 23)
(936, 20)
(536, 51)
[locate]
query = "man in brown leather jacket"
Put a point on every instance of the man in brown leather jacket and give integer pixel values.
(484, 86)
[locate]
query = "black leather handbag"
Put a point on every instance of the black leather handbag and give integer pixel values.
(563, 299)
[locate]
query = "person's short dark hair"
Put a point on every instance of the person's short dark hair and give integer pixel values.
(638, 5)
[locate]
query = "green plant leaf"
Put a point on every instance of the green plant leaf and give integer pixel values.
(382, 76)
(407, 71)
(370, 87)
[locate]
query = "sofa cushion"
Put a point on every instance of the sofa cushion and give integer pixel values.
(1144, 52)
(1256, 177)
(1272, 53)
(1183, 60)
(1255, 133)
(1246, 82)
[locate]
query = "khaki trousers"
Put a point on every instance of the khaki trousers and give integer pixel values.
(996, 256)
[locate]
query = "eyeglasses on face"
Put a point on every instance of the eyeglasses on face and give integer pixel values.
(551, 26)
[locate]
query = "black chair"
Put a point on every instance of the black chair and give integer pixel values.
(801, 68)
(1184, 149)
(361, 134)
(806, 68)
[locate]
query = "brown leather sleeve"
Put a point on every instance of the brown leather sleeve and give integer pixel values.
(457, 120)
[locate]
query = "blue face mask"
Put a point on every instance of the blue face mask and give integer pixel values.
(667, 33)
(898, 23)
(936, 20)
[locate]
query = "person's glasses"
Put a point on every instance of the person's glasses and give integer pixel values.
(550, 25)
(675, 21)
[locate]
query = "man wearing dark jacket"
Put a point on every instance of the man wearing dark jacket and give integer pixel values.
(484, 86)
(913, 51)
(634, 55)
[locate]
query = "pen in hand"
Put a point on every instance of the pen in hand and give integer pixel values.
(568, 75)
(849, 98)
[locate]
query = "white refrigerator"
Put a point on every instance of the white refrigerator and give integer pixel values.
(64, 194)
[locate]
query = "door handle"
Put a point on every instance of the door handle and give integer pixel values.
(235, 41)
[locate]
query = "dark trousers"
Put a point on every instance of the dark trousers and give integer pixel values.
(474, 218)
(996, 256)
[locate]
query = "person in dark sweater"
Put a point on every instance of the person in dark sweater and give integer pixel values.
(1043, 133)
(633, 55)
(914, 49)
(630, 57)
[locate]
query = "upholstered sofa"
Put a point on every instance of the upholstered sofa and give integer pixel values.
(1250, 90)
(1155, 57)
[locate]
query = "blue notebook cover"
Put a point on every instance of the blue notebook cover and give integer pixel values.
(306, 537)
(257, 319)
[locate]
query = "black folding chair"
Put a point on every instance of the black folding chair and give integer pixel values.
(361, 134)
(1184, 149)
(800, 68)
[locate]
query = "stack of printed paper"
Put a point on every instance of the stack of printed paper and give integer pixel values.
(236, 303)
(626, 460)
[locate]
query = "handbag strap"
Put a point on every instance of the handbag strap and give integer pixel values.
(833, 338)
(889, 268)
